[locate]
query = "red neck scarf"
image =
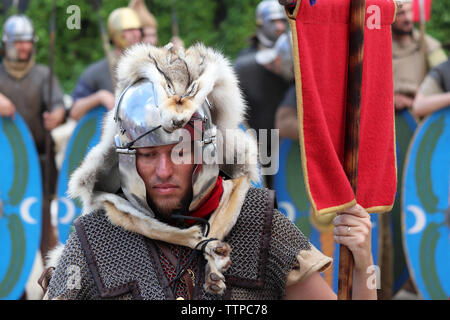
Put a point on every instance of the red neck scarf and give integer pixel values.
(210, 203)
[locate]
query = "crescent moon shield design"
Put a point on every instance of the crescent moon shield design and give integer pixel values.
(70, 211)
(288, 209)
(425, 202)
(294, 203)
(420, 218)
(25, 210)
(85, 136)
(21, 198)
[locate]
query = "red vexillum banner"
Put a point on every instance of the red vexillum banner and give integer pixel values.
(320, 41)
(417, 9)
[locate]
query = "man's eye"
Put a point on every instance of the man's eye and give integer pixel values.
(148, 154)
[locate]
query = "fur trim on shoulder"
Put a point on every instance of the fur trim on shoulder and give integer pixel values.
(226, 215)
(53, 256)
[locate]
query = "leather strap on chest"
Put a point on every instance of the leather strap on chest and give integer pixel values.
(187, 276)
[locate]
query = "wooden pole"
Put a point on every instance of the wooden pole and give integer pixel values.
(423, 44)
(174, 18)
(48, 237)
(105, 41)
(353, 112)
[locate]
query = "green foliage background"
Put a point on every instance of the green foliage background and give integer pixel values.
(439, 25)
(223, 24)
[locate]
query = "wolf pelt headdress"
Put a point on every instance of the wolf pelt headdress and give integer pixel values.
(183, 81)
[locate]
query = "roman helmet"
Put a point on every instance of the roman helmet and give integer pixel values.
(119, 20)
(17, 28)
(138, 121)
(266, 12)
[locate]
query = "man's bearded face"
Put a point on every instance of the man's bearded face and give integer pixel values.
(404, 22)
(168, 185)
(23, 49)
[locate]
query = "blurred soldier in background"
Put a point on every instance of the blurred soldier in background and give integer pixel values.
(410, 65)
(265, 77)
(24, 88)
(24, 83)
(286, 119)
(95, 86)
(434, 92)
(271, 23)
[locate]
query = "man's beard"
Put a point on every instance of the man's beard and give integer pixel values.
(401, 32)
(164, 213)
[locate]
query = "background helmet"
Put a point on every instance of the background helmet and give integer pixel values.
(138, 120)
(266, 12)
(17, 28)
(119, 20)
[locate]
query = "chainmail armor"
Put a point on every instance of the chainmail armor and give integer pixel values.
(64, 284)
(264, 244)
(252, 278)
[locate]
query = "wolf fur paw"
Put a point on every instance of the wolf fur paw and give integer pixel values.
(215, 281)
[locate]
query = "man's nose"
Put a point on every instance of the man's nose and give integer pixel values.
(165, 167)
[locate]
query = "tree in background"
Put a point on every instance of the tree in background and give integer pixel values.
(439, 25)
(223, 24)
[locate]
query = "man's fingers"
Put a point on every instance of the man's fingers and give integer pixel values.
(348, 231)
(345, 220)
(349, 242)
(49, 123)
(353, 217)
(350, 220)
(345, 231)
(356, 210)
